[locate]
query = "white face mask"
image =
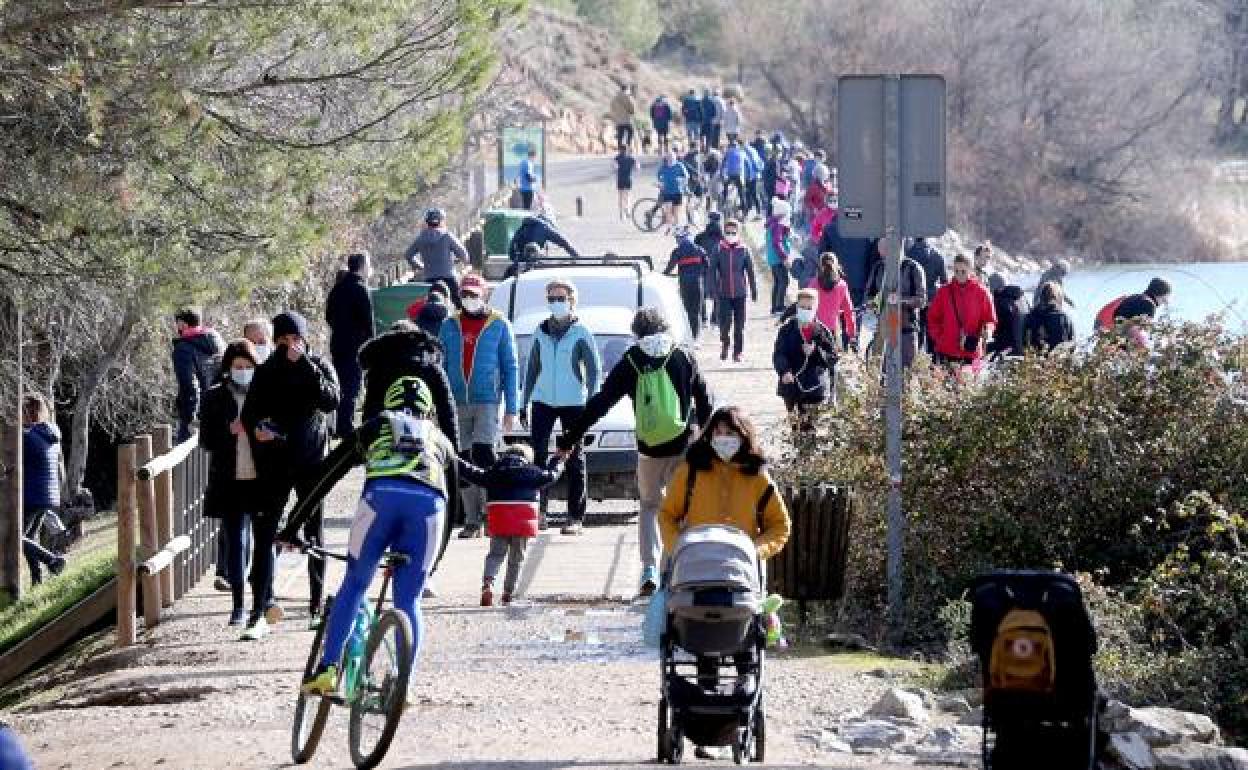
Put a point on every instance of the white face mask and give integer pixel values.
(657, 345)
(474, 305)
(262, 351)
(805, 315)
(242, 377)
(560, 310)
(732, 238)
(726, 446)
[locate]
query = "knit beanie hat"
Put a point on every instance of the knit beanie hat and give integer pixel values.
(289, 322)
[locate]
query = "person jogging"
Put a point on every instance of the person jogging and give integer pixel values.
(410, 469)
(690, 262)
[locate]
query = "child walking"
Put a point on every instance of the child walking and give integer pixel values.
(513, 486)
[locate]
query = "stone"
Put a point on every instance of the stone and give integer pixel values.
(847, 642)
(1132, 751)
(973, 717)
(901, 704)
(872, 734)
(1194, 756)
(949, 738)
(1167, 727)
(953, 704)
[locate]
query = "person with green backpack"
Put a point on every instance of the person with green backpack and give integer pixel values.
(666, 388)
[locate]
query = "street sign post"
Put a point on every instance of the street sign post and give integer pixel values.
(891, 152)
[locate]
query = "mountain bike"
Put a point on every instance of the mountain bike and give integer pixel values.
(372, 680)
(647, 213)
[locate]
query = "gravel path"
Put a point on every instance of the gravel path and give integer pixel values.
(496, 688)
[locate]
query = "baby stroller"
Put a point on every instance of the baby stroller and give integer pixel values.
(714, 623)
(1035, 644)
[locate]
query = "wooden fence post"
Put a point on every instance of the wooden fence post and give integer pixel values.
(125, 545)
(162, 443)
(149, 544)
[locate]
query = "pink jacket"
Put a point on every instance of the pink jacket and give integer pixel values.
(835, 302)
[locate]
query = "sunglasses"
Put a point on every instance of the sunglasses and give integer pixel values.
(731, 232)
(554, 298)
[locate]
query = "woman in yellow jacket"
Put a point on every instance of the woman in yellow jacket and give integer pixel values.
(730, 482)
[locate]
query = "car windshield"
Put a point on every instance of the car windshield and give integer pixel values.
(611, 348)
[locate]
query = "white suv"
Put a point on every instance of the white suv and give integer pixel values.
(608, 293)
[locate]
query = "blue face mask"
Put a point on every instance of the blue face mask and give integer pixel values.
(560, 310)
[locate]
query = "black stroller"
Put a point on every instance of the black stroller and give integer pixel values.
(714, 624)
(1035, 644)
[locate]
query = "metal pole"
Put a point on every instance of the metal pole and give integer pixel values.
(11, 535)
(890, 248)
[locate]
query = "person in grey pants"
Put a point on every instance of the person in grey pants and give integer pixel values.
(435, 253)
(656, 460)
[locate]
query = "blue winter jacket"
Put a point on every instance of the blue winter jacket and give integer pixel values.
(708, 111)
(493, 376)
(753, 163)
(563, 371)
(691, 108)
(41, 460)
(674, 179)
(734, 161)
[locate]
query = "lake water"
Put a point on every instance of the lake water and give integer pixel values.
(1200, 290)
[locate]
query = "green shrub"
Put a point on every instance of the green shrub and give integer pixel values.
(1128, 467)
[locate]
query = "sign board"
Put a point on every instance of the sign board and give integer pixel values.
(922, 186)
(860, 156)
(514, 144)
(861, 147)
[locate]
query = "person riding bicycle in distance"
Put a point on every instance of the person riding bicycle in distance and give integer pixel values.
(411, 472)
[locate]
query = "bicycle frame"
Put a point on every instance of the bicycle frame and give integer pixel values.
(351, 674)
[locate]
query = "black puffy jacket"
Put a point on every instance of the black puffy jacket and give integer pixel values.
(1048, 326)
(810, 372)
(196, 359)
(415, 353)
(349, 312)
(1012, 309)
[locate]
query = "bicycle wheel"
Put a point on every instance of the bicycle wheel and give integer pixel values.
(311, 711)
(647, 215)
(382, 692)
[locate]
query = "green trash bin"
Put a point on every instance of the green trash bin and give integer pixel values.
(500, 226)
(390, 303)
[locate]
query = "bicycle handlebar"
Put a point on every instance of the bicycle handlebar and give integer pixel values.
(389, 558)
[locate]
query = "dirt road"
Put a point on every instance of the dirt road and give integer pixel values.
(496, 688)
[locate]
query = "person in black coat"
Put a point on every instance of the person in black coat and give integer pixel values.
(804, 357)
(708, 240)
(407, 350)
(437, 308)
(196, 358)
(1012, 309)
(233, 492)
(1048, 324)
(286, 415)
(349, 312)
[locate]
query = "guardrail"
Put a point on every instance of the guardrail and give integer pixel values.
(164, 543)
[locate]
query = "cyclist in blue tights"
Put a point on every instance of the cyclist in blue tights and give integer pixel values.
(410, 466)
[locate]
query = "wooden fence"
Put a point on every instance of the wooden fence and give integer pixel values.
(164, 543)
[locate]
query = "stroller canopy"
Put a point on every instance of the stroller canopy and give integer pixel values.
(714, 555)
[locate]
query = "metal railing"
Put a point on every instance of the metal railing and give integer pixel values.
(164, 543)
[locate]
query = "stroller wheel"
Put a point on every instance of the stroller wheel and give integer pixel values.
(663, 732)
(760, 734)
(740, 752)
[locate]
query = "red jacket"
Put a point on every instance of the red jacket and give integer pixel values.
(816, 198)
(972, 304)
(825, 218)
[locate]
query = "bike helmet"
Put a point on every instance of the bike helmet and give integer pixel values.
(409, 394)
(434, 217)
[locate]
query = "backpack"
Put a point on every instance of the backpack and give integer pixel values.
(656, 405)
(1105, 318)
(1023, 656)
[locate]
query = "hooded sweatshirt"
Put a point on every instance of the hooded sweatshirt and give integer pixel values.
(439, 250)
(196, 359)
